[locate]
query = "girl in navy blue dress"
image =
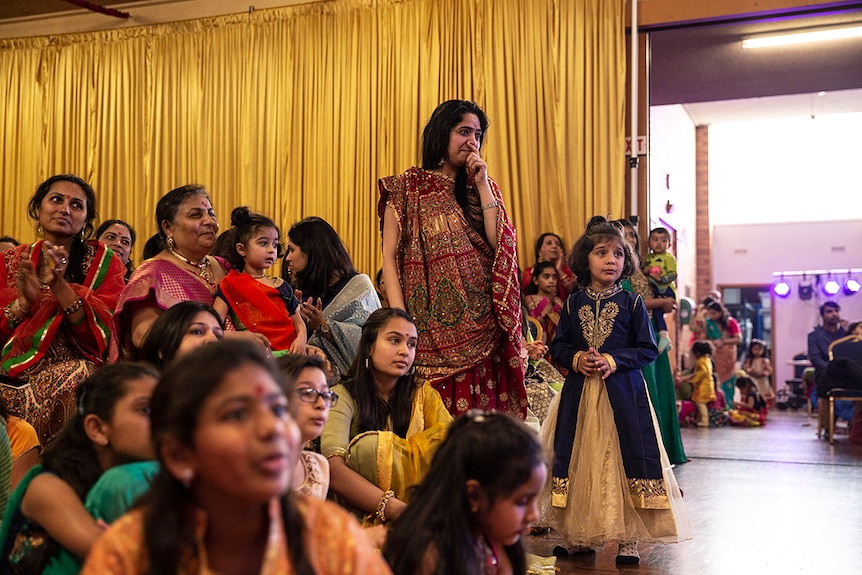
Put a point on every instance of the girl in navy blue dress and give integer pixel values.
(611, 478)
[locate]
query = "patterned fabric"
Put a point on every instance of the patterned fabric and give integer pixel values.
(464, 296)
(611, 479)
(666, 263)
(346, 314)
(381, 457)
(48, 356)
(333, 541)
(260, 308)
(161, 284)
(315, 469)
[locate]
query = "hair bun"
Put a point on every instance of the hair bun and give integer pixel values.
(595, 221)
(240, 216)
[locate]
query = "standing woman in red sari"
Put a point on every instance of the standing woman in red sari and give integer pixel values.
(57, 296)
(449, 260)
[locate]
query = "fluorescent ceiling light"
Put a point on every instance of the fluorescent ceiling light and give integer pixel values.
(801, 37)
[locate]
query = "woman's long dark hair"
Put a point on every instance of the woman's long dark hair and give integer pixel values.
(714, 305)
(169, 534)
(359, 381)
(328, 259)
(599, 230)
(78, 249)
(494, 449)
(167, 332)
(435, 145)
(70, 455)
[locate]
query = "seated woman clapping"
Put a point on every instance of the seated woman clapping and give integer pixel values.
(381, 434)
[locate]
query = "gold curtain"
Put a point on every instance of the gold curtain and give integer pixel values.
(298, 111)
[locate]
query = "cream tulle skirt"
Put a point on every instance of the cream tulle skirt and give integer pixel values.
(600, 507)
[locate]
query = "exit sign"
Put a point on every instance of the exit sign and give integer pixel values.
(641, 143)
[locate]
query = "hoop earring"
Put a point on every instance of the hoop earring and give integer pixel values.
(170, 242)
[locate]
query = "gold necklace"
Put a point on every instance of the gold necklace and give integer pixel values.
(203, 267)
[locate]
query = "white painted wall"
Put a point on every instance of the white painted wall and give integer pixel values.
(748, 254)
(672, 179)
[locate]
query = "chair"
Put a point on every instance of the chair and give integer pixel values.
(844, 353)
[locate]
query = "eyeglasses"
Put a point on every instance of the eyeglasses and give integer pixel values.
(310, 395)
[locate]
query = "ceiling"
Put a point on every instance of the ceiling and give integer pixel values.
(704, 68)
(698, 65)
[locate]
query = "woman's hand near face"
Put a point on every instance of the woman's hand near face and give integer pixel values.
(477, 167)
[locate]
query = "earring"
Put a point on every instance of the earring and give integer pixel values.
(186, 478)
(170, 242)
(442, 161)
(368, 363)
(412, 369)
(39, 231)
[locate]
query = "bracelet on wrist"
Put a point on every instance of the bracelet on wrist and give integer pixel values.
(11, 317)
(381, 505)
(490, 205)
(79, 303)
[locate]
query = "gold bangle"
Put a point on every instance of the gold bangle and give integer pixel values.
(381, 505)
(490, 205)
(13, 319)
(79, 303)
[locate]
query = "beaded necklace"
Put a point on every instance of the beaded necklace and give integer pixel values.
(203, 267)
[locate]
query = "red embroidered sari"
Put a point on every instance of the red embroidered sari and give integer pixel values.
(464, 297)
(259, 308)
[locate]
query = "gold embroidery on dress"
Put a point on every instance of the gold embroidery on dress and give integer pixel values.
(597, 331)
(648, 493)
(559, 491)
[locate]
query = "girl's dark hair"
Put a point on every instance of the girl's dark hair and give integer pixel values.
(9, 240)
(132, 235)
(78, 249)
(292, 364)
(759, 342)
(713, 305)
(245, 223)
(540, 267)
(167, 332)
(154, 244)
(327, 257)
(743, 382)
(359, 381)
(169, 531)
(169, 205)
(497, 451)
(599, 230)
(541, 241)
(70, 454)
(701, 348)
(435, 145)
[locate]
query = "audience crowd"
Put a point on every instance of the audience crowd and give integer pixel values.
(198, 413)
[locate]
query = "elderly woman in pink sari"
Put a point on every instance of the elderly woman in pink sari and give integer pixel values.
(182, 271)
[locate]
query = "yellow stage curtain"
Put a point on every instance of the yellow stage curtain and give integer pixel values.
(298, 111)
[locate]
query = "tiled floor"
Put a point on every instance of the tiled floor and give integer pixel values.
(761, 500)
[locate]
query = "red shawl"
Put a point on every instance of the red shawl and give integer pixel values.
(26, 345)
(259, 308)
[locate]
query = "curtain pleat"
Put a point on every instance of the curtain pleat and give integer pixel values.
(298, 111)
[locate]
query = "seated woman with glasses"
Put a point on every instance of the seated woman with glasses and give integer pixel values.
(381, 434)
(306, 375)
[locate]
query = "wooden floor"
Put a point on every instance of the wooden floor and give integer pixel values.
(761, 500)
